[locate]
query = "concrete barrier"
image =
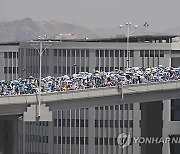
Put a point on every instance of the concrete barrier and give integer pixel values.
(89, 93)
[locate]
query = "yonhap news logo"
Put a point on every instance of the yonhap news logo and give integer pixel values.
(125, 139)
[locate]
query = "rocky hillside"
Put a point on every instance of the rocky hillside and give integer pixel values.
(27, 29)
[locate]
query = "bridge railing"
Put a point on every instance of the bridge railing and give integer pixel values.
(89, 93)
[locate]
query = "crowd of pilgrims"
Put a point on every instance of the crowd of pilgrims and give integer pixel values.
(85, 80)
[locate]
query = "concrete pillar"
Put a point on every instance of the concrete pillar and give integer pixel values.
(151, 125)
(166, 120)
(8, 135)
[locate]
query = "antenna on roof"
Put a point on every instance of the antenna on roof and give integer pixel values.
(146, 24)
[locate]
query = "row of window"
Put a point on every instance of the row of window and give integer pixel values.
(34, 52)
(114, 123)
(58, 69)
(116, 107)
(35, 69)
(36, 138)
(11, 70)
(113, 53)
(71, 122)
(151, 53)
(107, 69)
(71, 140)
(105, 141)
(71, 53)
(10, 54)
(40, 123)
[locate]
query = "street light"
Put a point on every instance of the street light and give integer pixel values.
(129, 32)
(39, 46)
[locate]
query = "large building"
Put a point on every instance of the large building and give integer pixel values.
(71, 56)
(92, 130)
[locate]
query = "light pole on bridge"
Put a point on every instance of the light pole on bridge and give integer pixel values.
(39, 44)
(129, 32)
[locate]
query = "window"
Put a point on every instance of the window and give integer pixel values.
(97, 53)
(47, 52)
(55, 69)
(106, 107)
(131, 53)
(126, 123)
(77, 53)
(96, 140)
(161, 53)
(146, 53)
(64, 52)
(10, 54)
(5, 70)
(55, 52)
(10, 69)
(116, 53)
(110, 141)
(101, 53)
(111, 123)
(116, 124)
(87, 69)
(151, 53)
(105, 141)
(111, 53)
(87, 53)
(82, 53)
(106, 53)
(131, 106)
(72, 140)
(68, 53)
(121, 53)
(142, 53)
(59, 52)
(73, 53)
(14, 54)
(96, 123)
(55, 122)
(68, 140)
(121, 123)
(126, 106)
(101, 123)
(156, 53)
(131, 123)
(5, 54)
(106, 123)
(72, 122)
(116, 107)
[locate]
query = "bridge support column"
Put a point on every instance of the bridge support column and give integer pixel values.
(166, 119)
(151, 126)
(8, 135)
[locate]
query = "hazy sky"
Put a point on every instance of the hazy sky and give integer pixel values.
(160, 14)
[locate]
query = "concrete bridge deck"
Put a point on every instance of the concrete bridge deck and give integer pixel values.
(93, 97)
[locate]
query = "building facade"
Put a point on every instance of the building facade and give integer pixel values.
(83, 131)
(95, 130)
(9, 60)
(73, 56)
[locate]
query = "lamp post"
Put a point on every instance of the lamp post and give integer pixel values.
(39, 46)
(129, 32)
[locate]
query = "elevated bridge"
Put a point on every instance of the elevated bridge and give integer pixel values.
(12, 107)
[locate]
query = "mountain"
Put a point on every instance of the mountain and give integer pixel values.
(102, 32)
(18, 30)
(27, 29)
(173, 31)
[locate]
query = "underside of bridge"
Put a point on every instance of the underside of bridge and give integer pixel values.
(9, 134)
(151, 125)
